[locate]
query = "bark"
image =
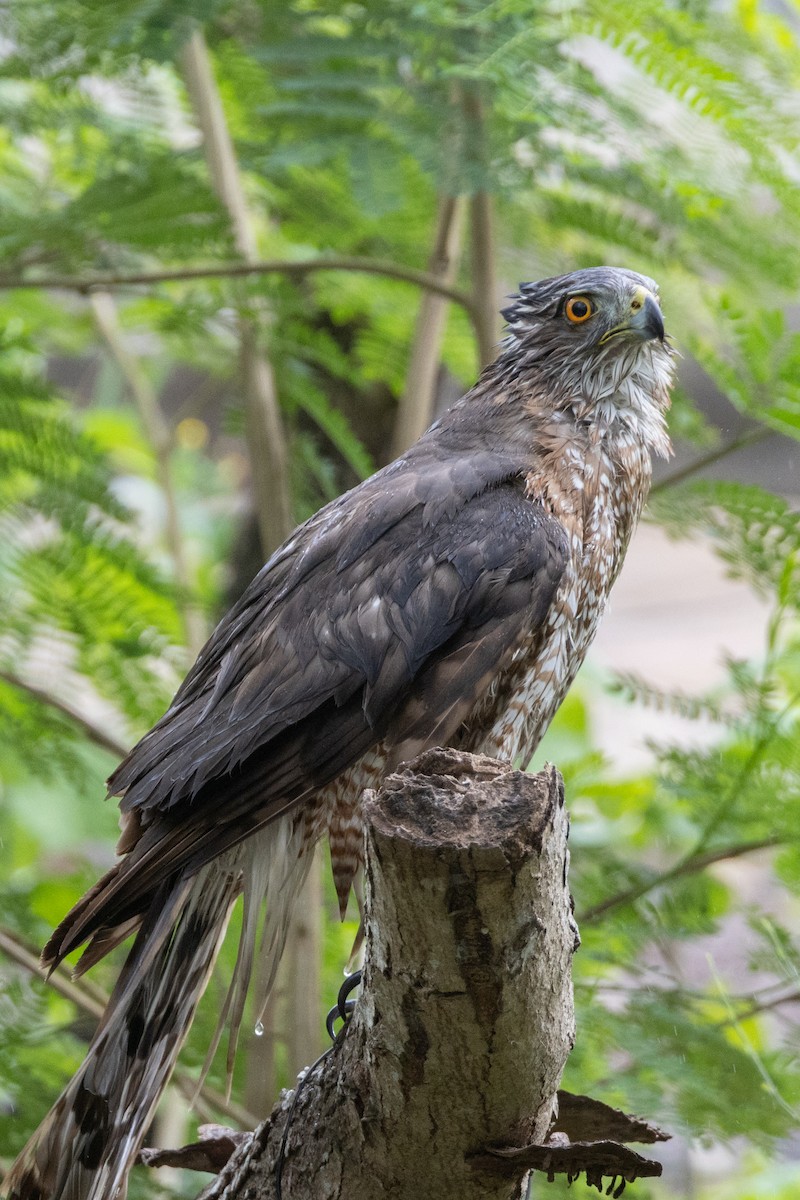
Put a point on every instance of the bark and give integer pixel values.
(465, 1019)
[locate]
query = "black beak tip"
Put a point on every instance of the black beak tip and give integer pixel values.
(654, 320)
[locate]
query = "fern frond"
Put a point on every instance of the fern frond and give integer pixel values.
(691, 708)
(756, 533)
(69, 569)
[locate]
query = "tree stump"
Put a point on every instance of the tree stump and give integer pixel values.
(445, 1081)
(465, 1019)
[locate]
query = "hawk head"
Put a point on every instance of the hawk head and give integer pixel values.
(593, 342)
(587, 310)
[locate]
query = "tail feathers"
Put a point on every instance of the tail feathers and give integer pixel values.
(274, 864)
(86, 1145)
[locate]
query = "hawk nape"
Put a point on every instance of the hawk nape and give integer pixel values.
(448, 600)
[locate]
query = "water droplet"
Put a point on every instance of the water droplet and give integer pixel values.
(259, 1029)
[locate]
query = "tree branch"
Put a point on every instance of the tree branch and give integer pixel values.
(92, 1001)
(756, 1007)
(88, 998)
(302, 973)
(686, 866)
(265, 434)
(159, 435)
(94, 732)
(481, 210)
(109, 280)
(444, 1082)
(750, 437)
(484, 279)
(415, 411)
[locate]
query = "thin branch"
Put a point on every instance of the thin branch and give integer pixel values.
(223, 167)
(687, 866)
(269, 460)
(110, 280)
(88, 998)
(160, 438)
(94, 732)
(697, 859)
(304, 1034)
(756, 1007)
(266, 438)
(210, 1103)
(482, 251)
(92, 1000)
(753, 1005)
(415, 411)
(750, 437)
(729, 801)
(484, 279)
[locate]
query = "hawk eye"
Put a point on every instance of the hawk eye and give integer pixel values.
(579, 309)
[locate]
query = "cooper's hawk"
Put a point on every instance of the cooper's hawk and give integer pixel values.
(448, 600)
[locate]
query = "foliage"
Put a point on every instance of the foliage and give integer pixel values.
(660, 1045)
(661, 136)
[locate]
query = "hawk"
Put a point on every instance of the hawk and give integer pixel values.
(448, 600)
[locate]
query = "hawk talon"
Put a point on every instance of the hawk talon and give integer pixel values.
(343, 1007)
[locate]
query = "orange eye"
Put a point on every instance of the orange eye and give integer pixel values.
(579, 309)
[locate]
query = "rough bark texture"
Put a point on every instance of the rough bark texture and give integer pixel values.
(465, 1019)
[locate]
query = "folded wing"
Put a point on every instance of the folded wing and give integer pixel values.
(384, 619)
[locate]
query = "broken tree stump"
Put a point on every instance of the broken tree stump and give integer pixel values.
(445, 1080)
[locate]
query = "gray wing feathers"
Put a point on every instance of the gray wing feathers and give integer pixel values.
(329, 652)
(365, 625)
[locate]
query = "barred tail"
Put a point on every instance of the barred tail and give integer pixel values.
(86, 1145)
(84, 1148)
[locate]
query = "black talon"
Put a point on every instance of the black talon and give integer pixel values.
(344, 1007)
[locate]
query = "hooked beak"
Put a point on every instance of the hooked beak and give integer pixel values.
(645, 320)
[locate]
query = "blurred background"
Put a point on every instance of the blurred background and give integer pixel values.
(247, 251)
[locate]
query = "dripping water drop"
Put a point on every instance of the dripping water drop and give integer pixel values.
(259, 1029)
